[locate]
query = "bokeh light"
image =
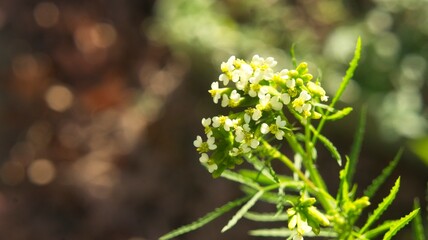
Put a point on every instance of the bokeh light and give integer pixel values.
(41, 172)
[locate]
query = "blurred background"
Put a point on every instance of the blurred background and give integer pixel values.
(101, 100)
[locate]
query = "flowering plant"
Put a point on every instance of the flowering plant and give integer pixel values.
(289, 106)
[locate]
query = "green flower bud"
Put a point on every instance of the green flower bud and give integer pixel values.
(302, 68)
(318, 216)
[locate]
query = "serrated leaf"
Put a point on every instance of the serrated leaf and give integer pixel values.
(285, 232)
(356, 145)
(349, 73)
(417, 226)
(205, 219)
(382, 206)
(236, 177)
(266, 217)
(372, 233)
(374, 186)
(329, 145)
(339, 114)
(399, 224)
(244, 209)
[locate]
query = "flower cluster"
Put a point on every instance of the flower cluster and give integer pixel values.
(263, 94)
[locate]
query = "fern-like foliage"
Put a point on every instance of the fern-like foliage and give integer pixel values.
(382, 207)
(399, 224)
(205, 219)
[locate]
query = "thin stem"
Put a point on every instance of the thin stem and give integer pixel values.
(310, 165)
(326, 200)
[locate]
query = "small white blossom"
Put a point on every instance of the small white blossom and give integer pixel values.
(290, 83)
(264, 128)
(254, 143)
(234, 98)
(212, 167)
(206, 122)
(257, 114)
(215, 92)
(285, 98)
(224, 79)
(225, 101)
(239, 134)
(275, 103)
(299, 104)
(204, 147)
(274, 128)
(198, 142)
(204, 158)
(211, 143)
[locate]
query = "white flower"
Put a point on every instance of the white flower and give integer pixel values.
(211, 143)
(324, 98)
(215, 92)
(225, 101)
(216, 122)
(264, 128)
(257, 114)
(285, 98)
(204, 147)
(228, 124)
(204, 158)
(275, 103)
(254, 143)
(299, 104)
(212, 167)
(274, 128)
(290, 83)
(264, 102)
(234, 98)
(206, 122)
(239, 134)
(198, 142)
(229, 65)
(224, 79)
(263, 91)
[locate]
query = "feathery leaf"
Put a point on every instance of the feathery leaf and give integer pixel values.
(399, 224)
(205, 219)
(382, 206)
(244, 209)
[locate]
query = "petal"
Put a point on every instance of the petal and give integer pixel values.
(264, 128)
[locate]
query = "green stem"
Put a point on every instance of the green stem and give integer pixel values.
(310, 165)
(325, 199)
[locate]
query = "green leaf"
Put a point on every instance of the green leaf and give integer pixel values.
(378, 181)
(266, 217)
(382, 206)
(329, 145)
(356, 145)
(285, 232)
(205, 219)
(372, 233)
(399, 224)
(343, 192)
(418, 228)
(349, 73)
(244, 209)
(236, 177)
(339, 114)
